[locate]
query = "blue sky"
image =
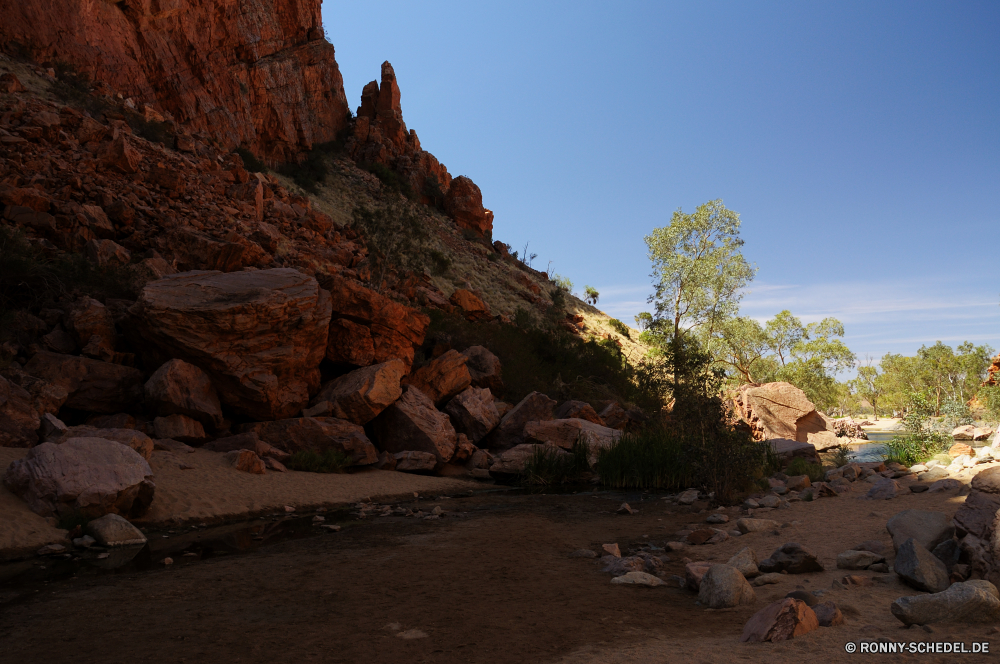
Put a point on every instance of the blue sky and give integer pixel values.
(859, 142)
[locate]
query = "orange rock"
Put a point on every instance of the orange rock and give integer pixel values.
(120, 155)
(958, 449)
(259, 335)
(10, 84)
(246, 461)
(780, 621)
(395, 329)
(473, 307)
(464, 203)
(442, 378)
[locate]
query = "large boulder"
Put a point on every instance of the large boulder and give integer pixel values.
(474, 413)
(974, 601)
(780, 621)
(259, 335)
(976, 520)
(536, 407)
(179, 388)
(83, 476)
(920, 568)
(92, 385)
(824, 440)
(780, 410)
(442, 378)
(565, 433)
(393, 329)
(471, 305)
(484, 368)
(928, 528)
(132, 438)
(19, 420)
(723, 587)
(362, 394)
(179, 427)
(464, 204)
(414, 424)
(316, 434)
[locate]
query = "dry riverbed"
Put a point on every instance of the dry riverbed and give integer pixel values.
(490, 580)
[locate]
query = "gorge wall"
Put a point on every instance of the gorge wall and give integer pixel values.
(257, 73)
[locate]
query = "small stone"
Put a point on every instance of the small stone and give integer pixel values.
(767, 579)
(688, 497)
(792, 558)
(828, 614)
(612, 549)
(114, 530)
(638, 579)
(717, 518)
(745, 561)
(723, 587)
(884, 489)
(856, 580)
(858, 559)
(168, 561)
(289, 509)
(51, 549)
(674, 546)
(756, 525)
(331, 527)
(318, 519)
(782, 620)
(918, 488)
(625, 509)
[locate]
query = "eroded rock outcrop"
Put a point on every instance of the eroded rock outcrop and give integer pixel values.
(316, 434)
(92, 385)
(380, 137)
(259, 335)
(258, 74)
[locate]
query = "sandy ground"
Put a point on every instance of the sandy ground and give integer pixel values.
(490, 581)
(213, 491)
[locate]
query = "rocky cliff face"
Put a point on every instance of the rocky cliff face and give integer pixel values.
(256, 73)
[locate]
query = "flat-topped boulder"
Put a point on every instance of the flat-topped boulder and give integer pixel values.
(131, 438)
(259, 335)
(565, 433)
(473, 413)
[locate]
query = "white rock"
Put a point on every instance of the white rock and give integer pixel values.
(638, 579)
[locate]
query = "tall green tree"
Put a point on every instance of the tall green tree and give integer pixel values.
(870, 385)
(698, 269)
(742, 345)
(784, 331)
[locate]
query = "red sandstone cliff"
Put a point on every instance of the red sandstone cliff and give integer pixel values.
(257, 73)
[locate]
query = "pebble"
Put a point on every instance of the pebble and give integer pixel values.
(289, 509)
(331, 527)
(168, 561)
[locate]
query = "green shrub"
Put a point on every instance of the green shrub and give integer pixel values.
(390, 179)
(841, 455)
(556, 363)
(550, 465)
(397, 240)
(919, 442)
(440, 263)
(799, 466)
(329, 461)
(620, 327)
(563, 282)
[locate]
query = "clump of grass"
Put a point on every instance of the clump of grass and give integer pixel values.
(800, 466)
(390, 179)
(440, 263)
(327, 461)
(620, 328)
(841, 455)
(549, 465)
